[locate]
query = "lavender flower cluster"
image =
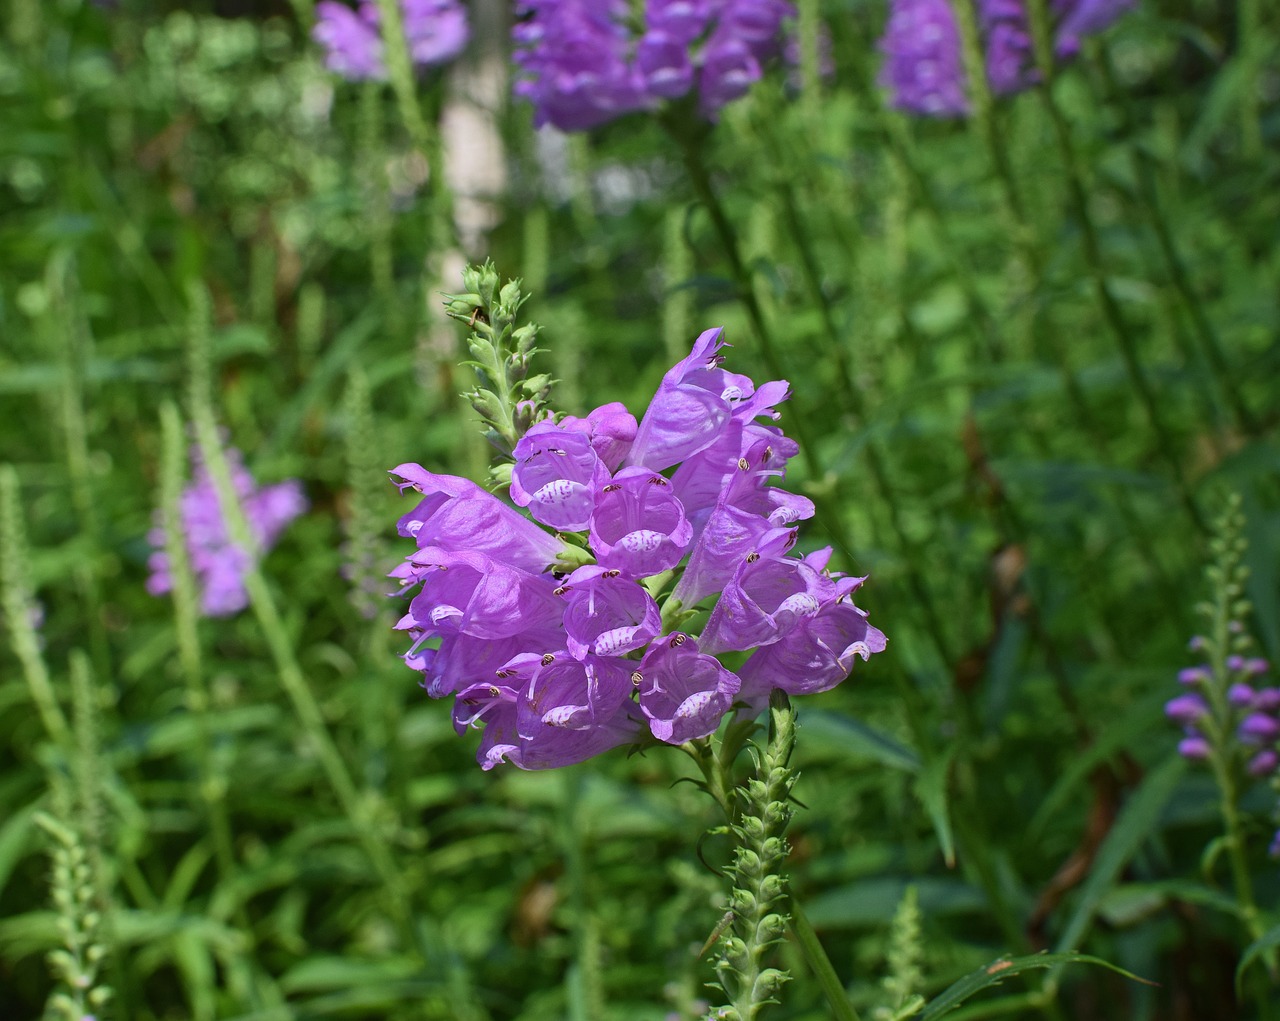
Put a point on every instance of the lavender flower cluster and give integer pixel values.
(1252, 717)
(436, 31)
(924, 67)
(549, 631)
(582, 64)
(218, 563)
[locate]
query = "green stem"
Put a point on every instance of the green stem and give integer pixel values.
(18, 606)
(1210, 342)
(1111, 312)
(212, 785)
(811, 947)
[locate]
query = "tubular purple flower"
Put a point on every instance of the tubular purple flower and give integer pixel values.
(611, 428)
(606, 614)
(1264, 763)
(1193, 675)
(664, 63)
(1259, 729)
(469, 592)
(638, 526)
(683, 692)
(557, 475)
(462, 659)
(457, 515)
(1186, 709)
(1267, 700)
(814, 656)
(1240, 695)
(1194, 747)
(695, 401)
(1080, 18)
(729, 69)
(768, 595)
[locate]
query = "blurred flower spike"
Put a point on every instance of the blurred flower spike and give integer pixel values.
(650, 549)
(436, 31)
(924, 65)
(217, 563)
(586, 62)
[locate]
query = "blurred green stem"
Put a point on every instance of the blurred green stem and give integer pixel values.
(1111, 312)
(20, 609)
(1175, 266)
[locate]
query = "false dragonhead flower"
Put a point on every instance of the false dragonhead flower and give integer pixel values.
(218, 563)
(586, 62)
(435, 31)
(557, 632)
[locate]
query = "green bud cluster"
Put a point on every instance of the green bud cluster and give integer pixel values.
(759, 884)
(905, 958)
(508, 398)
(78, 963)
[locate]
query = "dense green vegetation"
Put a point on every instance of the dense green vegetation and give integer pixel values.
(1031, 354)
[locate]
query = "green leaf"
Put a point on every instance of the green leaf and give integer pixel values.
(829, 733)
(1269, 940)
(1005, 967)
(1136, 822)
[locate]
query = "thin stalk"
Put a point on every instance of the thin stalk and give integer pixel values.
(1210, 343)
(423, 132)
(851, 397)
(695, 165)
(212, 785)
(1112, 314)
(1044, 337)
(20, 608)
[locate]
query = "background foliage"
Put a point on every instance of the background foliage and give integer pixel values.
(1029, 353)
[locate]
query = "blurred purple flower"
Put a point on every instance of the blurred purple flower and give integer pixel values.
(218, 564)
(924, 66)
(923, 70)
(582, 64)
(435, 30)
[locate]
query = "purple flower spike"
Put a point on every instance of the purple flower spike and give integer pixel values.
(573, 60)
(557, 475)
(814, 656)
(1194, 747)
(1259, 728)
(218, 564)
(1010, 59)
(611, 428)
(352, 45)
(459, 515)
(639, 527)
(607, 614)
(1186, 709)
(683, 693)
(923, 70)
